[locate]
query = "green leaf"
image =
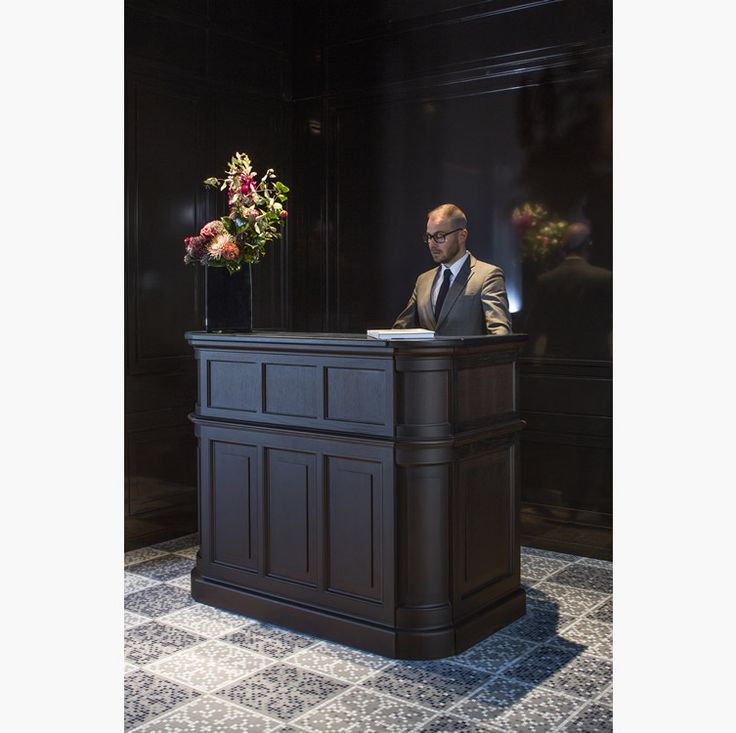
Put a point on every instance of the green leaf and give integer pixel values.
(280, 187)
(230, 226)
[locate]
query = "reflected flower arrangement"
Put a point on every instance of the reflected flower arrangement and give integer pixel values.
(540, 232)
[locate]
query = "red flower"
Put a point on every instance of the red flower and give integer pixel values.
(283, 214)
(230, 251)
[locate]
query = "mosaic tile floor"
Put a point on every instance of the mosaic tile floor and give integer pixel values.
(190, 667)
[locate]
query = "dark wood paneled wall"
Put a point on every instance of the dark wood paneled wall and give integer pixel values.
(401, 106)
(202, 80)
(375, 112)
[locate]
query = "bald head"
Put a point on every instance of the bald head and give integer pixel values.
(454, 215)
(576, 238)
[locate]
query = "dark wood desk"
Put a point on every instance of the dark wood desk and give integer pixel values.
(363, 491)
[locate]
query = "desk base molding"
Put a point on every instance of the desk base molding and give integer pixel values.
(395, 643)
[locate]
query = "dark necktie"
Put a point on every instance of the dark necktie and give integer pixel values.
(443, 292)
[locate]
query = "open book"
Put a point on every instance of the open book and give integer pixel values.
(386, 334)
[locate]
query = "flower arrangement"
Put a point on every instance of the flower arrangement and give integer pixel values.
(541, 234)
(256, 212)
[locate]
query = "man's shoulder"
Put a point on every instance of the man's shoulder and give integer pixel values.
(485, 268)
(428, 275)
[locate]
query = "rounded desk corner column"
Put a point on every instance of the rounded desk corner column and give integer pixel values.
(423, 608)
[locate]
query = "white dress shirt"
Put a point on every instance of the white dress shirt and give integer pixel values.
(454, 269)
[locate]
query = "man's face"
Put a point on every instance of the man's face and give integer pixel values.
(453, 248)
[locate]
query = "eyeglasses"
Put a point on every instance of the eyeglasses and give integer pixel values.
(439, 237)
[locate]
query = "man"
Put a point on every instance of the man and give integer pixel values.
(461, 297)
(572, 311)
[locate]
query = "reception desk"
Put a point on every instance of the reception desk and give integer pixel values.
(362, 491)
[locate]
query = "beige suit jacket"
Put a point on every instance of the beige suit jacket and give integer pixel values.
(476, 303)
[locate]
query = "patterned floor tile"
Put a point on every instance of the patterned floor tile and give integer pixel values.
(606, 697)
(538, 712)
(144, 553)
(192, 668)
(209, 666)
(190, 552)
(360, 710)
(152, 641)
(183, 581)
(584, 677)
(595, 637)
(527, 582)
(205, 620)
(166, 567)
(208, 714)
(594, 562)
(534, 566)
(539, 624)
(342, 663)
(133, 583)
(584, 576)
(493, 700)
(450, 723)
(147, 696)
(548, 554)
(134, 619)
(567, 599)
(158, 600)
(494, 653)
(179, 543)
(592, 719)
(604, 612)
(283, 691)
(437, 684)
(542, 662)
(270, 640)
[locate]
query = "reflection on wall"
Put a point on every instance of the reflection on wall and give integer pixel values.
(393, 158)
(571, 315)
(564, 127)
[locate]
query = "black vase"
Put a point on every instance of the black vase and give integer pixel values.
(228, 300)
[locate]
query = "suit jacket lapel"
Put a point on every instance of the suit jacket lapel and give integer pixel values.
(457, 287)
(425, 301)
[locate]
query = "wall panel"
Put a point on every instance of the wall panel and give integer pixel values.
(191, 102)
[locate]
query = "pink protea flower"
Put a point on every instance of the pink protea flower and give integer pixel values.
(230, 251)
(283, 214)
(216, 245)
(212, 229)
(251, 213)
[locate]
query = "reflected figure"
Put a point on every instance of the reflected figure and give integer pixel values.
(572, 312)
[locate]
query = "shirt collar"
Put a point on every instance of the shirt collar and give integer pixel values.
(457, 266)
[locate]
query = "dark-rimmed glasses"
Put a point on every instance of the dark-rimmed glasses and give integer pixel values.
(439, 237)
